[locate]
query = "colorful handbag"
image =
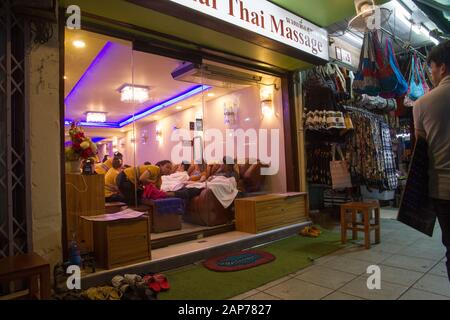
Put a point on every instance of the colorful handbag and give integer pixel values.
(366, 79)
(416, 89)
(402, 84)
(385, 73)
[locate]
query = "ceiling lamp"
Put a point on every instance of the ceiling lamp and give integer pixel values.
(96, 117)
(79, 44)
(369, 16)
(134, 93)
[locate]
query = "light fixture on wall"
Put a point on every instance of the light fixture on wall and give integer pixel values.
(266, 96)
(95, 117)
(134, 93)
(144, 136)
(159, 133)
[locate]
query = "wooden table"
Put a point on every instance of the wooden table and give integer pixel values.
(28, 267)
(122, 242)
(272, 211)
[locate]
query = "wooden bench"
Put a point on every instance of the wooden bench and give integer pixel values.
(365, 210)
(30, 268)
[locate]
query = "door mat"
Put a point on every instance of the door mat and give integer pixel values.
(239, 260)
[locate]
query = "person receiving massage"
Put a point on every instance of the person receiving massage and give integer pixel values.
(185, 193)
(197, 172)
(229, 169)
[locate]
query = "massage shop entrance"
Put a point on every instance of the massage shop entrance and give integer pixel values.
(172, 146)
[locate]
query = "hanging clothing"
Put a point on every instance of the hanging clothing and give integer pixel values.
(372, 160)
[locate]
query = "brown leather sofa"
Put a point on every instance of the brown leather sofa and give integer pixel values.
(206, 210)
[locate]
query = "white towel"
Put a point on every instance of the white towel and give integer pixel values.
(224, 189)
(174, 182)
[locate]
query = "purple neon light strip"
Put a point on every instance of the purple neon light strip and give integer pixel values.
(162, 105)
(67, 122)
(94, 62)
(146, 112)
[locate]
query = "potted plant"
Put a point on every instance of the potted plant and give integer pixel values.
(80, 148)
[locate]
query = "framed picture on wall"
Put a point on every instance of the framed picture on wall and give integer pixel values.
(192, 126)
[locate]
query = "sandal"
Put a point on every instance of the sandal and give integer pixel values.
(163, 282)
(153, 284)
(309, 232)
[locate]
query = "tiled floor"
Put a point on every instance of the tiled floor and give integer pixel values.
(412, 268)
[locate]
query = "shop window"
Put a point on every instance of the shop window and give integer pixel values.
(172, 123)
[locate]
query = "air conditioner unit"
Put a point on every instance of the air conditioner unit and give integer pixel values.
(215, 76)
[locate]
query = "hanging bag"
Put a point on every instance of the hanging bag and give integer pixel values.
(415, 86)
(366, 79)
(402, 85)
(340, 175)
(385, 73)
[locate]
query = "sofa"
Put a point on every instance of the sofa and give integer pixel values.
(206, 210)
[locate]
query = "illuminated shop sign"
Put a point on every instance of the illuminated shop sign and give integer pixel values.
(266, 19)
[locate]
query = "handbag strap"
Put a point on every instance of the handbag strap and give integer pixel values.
(413, 68)
(334, 148)
(390, 52)
(421, 71)
(339, 150)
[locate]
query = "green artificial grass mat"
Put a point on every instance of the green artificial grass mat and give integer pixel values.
(195, 282)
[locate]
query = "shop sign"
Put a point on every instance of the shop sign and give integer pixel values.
(266, 19)
(343, 55)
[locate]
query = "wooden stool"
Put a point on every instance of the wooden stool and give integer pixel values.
(28, 267)
(365, 210)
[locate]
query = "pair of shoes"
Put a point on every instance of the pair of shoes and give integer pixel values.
(310, 232)
(157, 282)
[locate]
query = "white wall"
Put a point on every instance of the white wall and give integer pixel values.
(45, 150)
(248, 116)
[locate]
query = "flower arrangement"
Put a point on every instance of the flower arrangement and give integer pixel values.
(81, 147)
